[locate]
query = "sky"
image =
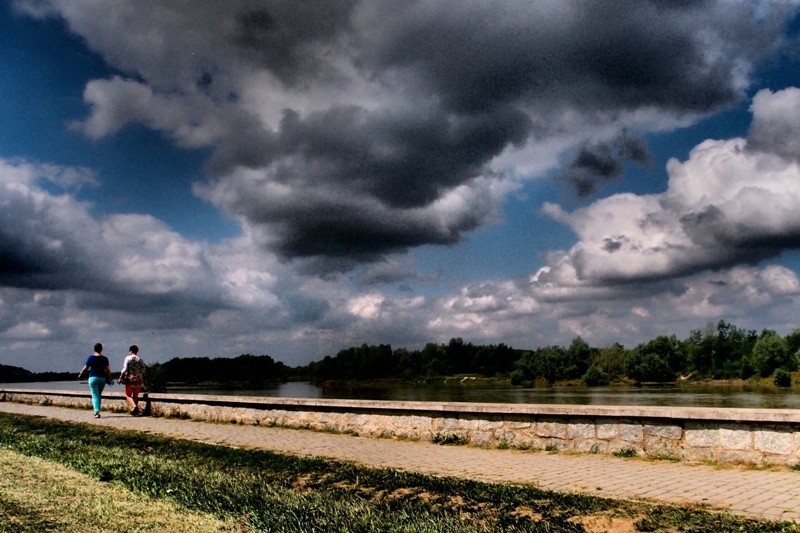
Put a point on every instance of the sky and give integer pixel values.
(206, 178)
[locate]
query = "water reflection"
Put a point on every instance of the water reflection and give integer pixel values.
(671, 396)
(646, 395)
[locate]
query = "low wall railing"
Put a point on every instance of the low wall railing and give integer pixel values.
(725, 435)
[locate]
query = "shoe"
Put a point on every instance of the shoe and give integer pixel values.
(97, 415)
(135, 411)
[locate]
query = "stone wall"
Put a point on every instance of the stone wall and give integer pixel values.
(748, 436)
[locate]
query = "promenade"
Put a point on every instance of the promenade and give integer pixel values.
(769, 493)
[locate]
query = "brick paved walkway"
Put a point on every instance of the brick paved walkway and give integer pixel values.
(773, 494)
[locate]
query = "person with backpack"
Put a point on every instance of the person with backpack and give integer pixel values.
(99, 376)
(132, 376)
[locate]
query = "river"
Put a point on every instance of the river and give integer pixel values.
(694, 396)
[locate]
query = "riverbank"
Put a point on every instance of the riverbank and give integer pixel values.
(688, 383)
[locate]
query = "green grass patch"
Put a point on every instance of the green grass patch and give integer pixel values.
(38, 495)
(448, 439)
(266, 491)
(625, 452)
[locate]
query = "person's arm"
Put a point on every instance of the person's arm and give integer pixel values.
(84, 369)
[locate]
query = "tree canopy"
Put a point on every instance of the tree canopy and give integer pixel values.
(717, 351)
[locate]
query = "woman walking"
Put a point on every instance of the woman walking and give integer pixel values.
(99, 374)
(132, 375)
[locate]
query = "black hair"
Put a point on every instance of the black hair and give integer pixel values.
(134, 349)
(98, 348)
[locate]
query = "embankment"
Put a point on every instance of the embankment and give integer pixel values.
(745, 436)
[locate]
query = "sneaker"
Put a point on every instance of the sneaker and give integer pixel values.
(97, 415)
(135, 411)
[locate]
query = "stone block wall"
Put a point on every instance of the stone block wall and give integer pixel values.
(747, 436)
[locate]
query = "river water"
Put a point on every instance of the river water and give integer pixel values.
(695, 396)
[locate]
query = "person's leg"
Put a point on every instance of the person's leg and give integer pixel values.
(135, 396)
(96, 385)
(137, 391)
(129, 396)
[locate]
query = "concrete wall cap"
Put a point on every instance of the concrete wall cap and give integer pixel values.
(777, 416)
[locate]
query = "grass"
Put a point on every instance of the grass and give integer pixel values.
(39, 495)
(448, 439)
(244, 490)
(625, 452)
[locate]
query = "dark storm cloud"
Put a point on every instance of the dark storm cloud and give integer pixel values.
(391, 108)
(594, 56)
(402, 160)
(490, 77)
(279, 35)
(602, 162)
(634, 149)
(345, 228)
(362, 184)
(36, 251)
(591, 166)
(134, 311)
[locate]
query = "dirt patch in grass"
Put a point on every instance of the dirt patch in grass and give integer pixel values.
(603, 524)
(529, 513)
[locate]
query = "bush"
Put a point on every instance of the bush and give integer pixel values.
(517, 377)
(782, 378)
(594, 376)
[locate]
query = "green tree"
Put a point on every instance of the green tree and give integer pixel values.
(611, 360)
(659, 360)
(493, 360)
(719, 350)
(770, 353)
(458, 356)
(546, 363)
(793, 342)
(407, 363)
(577, 359)
(431, 360)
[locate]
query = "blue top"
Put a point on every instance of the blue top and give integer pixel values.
(97, 365)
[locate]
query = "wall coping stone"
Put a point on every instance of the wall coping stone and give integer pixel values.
(463, 409)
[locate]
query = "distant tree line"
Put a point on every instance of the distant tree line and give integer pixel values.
(15, 374)
(253, 371)
(382, 362)
(718, 351)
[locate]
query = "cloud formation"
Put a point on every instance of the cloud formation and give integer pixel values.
(344, 134)
(348, 130)
(68, 273)
(733, 201)
(593, 165)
